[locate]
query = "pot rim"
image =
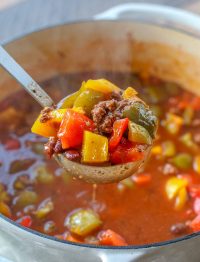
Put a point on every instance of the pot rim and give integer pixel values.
(98, 19)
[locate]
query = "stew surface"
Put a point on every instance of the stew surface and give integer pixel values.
(160, 203)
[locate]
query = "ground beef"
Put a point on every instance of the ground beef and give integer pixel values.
(53, 146)
(105, 113)
(179, 228)
(45, 114)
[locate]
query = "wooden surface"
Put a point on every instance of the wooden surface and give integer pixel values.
(18, 17)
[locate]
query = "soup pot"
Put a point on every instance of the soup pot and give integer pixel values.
(142, 38)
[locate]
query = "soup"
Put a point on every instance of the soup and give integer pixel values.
(160, 203)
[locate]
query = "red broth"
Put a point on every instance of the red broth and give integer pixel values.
(138, 209)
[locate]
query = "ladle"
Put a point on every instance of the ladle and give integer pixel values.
(90, 174)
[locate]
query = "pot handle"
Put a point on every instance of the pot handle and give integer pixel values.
(158, 14)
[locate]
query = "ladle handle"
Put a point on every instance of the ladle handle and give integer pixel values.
(10, 65)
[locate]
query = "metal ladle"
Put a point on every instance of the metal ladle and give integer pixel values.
(90, 174)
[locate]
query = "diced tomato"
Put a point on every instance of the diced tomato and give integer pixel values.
(195, 224)
(119, 127)
(194, 190)
(110, 238)
(12, 144)
(73, 239)
(142, 179)
(196, 205)
(72, 128)
(126, 152)
(25, 221)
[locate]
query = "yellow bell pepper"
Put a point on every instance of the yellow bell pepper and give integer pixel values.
(101, 85)
(156, 150)
(95, 148)
(129, 93)
(4, 209)
(181, 199)
(79, 110)
(173, 186)
(196, 164)
(173, 123)
(49, 128)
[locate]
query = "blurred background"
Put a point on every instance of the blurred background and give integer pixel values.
(21, 16)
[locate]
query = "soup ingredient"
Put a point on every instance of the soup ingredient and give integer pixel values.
(196, 164)
(110, 238)
(139, 114)
(182, 161)
(138, 134)
(188, 115)
(43, 176)
(129, 93)
(168, 148)
(126, 152)
(49, 227)
(72, 129)
(119, 127)
(88, 99)
(5, 209)
(26, 198)
(20, 165)
(187, 140)
(83, 222)
(173, 123)
(101, 85)
(142, 179)
(95, 148)
(176, 189)
(48, 126)
(25, 221)
(179, 228)
(44, 209)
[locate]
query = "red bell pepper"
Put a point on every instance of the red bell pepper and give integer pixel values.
(119, 127)
(195, 224)
(110, 238)
(142, 179)
(72, 128)
(25, 221)
(188, 101)
(126, 152)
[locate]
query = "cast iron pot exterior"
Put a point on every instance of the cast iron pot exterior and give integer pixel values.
(93, 46)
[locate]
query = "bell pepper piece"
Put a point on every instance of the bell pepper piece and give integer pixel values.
(181, 199)
(119, 127)
(196, 164)
(168, 148)
(188, 115)
(196, 205)
(173, 123)
(173, 186)
(142, 179)
(195, 224)
(79, 110)
(83, 221)
(141, 115)
(187, 140)
(88, 99)
(110, 238)
(95, 148)
(49, 128)
(5, 209)
(72, 128)
(182, 161)
(138, 134)
(156, 150)
(129, 93)
(126, 152)
(68, 102)
(101, 85)
(25, 221)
